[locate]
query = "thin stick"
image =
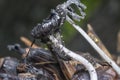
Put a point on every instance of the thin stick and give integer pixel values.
(118, 48)
(93, 44)
(118, 60)
(86, 63)
(28, 42)
(97, 40)
(118, 42)
(43, 63)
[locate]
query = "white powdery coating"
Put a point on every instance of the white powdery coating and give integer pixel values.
(76, 2)
(80, 7)
(94, 45)
(86, 63)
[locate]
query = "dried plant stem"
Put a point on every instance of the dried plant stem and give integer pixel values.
(118, 48)
(118, 43)
(97, 40)
(28, 42)
(94, 45)
(86, 63)
(118, 60)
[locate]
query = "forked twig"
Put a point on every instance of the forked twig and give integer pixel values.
(86, 63)
(93, 44)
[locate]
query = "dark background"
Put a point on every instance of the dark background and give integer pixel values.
(18, 17)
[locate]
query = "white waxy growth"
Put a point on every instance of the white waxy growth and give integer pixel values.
(94, 45)
(86, 63)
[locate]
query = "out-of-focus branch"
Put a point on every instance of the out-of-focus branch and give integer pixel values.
(85, 62)
(28, 42)
(118, 60)
(97, 40)
(95, 46)
(118, 48)
(118, 42)
(1, 62)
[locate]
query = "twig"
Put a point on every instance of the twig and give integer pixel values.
(93, 44)
(1, 62)
(86, 63)
(97, 40)
(118, 43)
(118, 48)
(28, 42)
(118, 60)
(43, 63)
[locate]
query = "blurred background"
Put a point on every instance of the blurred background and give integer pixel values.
(18, 17)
